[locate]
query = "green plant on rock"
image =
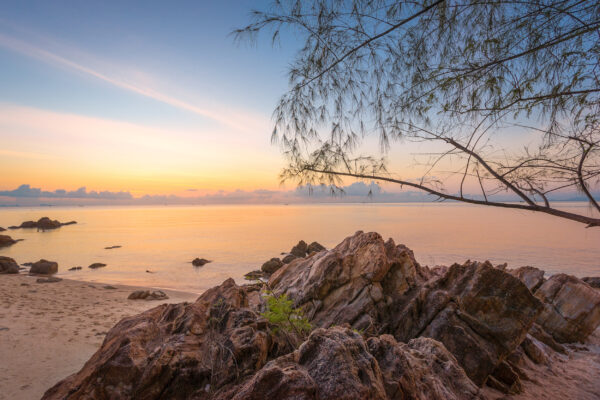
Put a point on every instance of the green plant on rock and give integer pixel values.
(280, 313)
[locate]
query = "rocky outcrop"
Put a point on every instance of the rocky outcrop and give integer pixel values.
(199, 262)
(44, 267)
(592, 281)
(178, 351)
(43, 224)
(480, 313)
(532, 277)
(571, 308)
(8, 266)
(385, 327)
(271, 266)
(300, 250)
(148, 295)
(351, 283)
(288, 258)
(6, 240)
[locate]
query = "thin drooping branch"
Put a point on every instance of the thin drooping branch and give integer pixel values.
(582, 182)
(590, 221)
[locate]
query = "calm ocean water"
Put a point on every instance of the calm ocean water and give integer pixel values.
(240, 238)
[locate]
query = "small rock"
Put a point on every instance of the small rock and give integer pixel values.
(75, 268)
(51, 279)
(8, 266)
(109, 287)
(148, 295)
(300, 249)
(24, 284)
(198, 262)
(272, 265)
(97, 265)
(254, 275)
(3, 328)
(148, 271)
(288, 259)
(2, 229)
(315, 247)
(112, 247)
(27, 264)
(44, 267)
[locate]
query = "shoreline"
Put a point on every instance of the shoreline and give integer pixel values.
(49, 330)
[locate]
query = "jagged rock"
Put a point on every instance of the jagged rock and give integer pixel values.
(44, 267)
(176, 351)
(315, 247)
(571, 308)
(350, 283)
(593, 281)
(479, 312)
(532, 277)
(199, 262)
(8, 265)
(288, 258)
(97, 265)
(300, 249)
(544, 337)
(332, 364)
(420, 369)
(272, 265)
(6, 240)
(145, 294)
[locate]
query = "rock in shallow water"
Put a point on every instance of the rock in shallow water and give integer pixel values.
(6, 240)
(8, 265)
(97, 265)
(44, 267)
(198, 262)
(272, 265)
(145, 294)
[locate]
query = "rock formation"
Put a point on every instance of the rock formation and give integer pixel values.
(8, 266)
(44, 267)
(384, 328)
(592, 281)
(43, 224)
(6, 240)
(571, 308)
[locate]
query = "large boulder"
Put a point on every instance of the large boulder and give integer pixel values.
(480, 313)
(352, 283)
(44, 267)
(338, 364)
(420, 369)
(8, 266)
(6, 240)
(571, 308)
(178, 351)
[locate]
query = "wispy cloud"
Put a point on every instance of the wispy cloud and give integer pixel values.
(237, 119)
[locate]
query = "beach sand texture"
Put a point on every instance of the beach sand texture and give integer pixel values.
(49, 330)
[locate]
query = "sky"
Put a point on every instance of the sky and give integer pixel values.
(145, 98)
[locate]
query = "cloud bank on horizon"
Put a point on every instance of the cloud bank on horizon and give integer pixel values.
(25, 195)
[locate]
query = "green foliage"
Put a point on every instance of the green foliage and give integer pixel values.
(281, 313)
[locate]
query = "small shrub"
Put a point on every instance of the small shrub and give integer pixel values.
(282, 314)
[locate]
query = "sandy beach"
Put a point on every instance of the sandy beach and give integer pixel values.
(49, 330)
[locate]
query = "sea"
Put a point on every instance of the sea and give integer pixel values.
(158, 243)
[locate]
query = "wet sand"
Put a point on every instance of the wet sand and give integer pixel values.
(49, 330)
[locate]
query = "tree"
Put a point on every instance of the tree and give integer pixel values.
(461, 73)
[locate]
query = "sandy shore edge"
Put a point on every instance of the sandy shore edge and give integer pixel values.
(49, 330)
